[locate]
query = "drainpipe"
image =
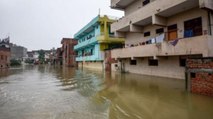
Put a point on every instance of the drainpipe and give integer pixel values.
(209, 22)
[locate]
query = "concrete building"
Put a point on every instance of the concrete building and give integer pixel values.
(4, 53)
(68, 53)
(93, 40)
(59, 55)
(18, 52)
(161, 34)
(34, 55)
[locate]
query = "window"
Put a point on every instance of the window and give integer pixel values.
(182, 61)
(160, 30)
(193, 27)
(147, 34)
(2, 57)
(91, 51)
(133, 62)
(172, 27)
(83, 53)
(145, 2)
(193, 75)
(153, 62)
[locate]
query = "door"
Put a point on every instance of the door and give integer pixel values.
(172, 32)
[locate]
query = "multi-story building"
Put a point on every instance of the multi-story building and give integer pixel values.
(18, 52)
(68, 53)
(36, 55)
(4, 53)
(93, 40)
(161, 34)
(59, 55)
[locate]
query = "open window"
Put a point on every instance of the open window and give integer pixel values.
(145, 2)
(133, 62)
(153, 62)
(193, 27)
(160, 30)
(146, 34)
(182, 61)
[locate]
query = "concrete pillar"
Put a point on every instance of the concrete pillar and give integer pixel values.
(158, 20)
(136, 28)
(120, 34)
(206, 4)
(106, 32)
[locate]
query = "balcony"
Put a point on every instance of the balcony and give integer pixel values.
(186, 46)
(206, 4)
(88, 58)
(109, 39)
(120, 4)
(146, 14)
(86, 43)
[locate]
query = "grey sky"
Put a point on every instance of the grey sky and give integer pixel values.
(41, 24)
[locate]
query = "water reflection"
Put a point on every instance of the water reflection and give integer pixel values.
(144, 97)
(47, 92)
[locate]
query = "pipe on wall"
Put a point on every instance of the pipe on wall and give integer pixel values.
(209, 22)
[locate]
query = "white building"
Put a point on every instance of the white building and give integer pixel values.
(161, 34)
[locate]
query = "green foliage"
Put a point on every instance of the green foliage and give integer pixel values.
(14, 62)
(41, 57)
(29, 61)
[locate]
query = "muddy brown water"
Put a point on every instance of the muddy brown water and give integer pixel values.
(48, 92)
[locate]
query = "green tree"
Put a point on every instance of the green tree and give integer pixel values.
(14, 62)
(41, 56)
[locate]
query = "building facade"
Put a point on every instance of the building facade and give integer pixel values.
(59, 55)
(18, 52)
(4, 53)
(161, 34)
(93, 39)
(41, 56)
(68, 53)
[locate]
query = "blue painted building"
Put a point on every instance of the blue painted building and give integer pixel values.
(94, 38)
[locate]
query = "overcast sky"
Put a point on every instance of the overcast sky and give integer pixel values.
(41, 24)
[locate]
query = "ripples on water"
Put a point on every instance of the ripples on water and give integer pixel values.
(45, 92)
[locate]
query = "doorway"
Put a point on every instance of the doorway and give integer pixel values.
(172, 32)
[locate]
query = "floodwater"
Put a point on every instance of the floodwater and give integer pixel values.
(47, 92)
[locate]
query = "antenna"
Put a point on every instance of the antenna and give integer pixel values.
(99, 11)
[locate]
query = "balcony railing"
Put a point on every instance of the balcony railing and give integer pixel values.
(87, 58)
(120, 4)
(158, 39)
(85, 43)
(185, 46)
(158, 7)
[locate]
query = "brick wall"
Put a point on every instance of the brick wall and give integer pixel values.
(4, 58)
(201, 76)
(206, 63)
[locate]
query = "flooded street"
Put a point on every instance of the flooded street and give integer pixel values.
(47, 92)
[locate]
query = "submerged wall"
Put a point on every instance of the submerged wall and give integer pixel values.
(91, 65)
(201, 76)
